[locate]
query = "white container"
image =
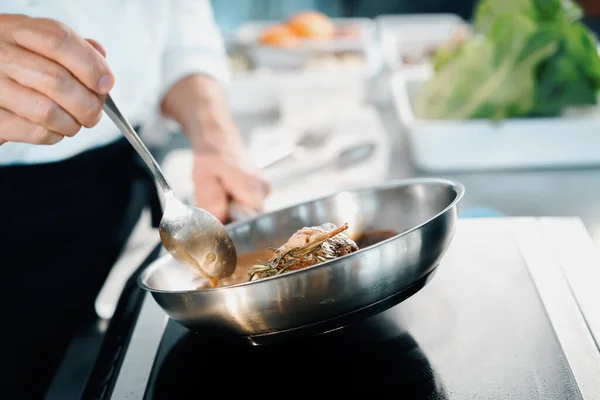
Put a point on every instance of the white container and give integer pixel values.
(265, 56)
(274, 87)
(253, 94)
(413, 34)
(441, 146)
(282, 92)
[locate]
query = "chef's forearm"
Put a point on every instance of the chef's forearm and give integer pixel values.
(199, 104)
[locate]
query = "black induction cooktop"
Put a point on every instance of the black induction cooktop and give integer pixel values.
(342, 362)
(479, 330)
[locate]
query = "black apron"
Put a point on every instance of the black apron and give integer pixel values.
(62, 227)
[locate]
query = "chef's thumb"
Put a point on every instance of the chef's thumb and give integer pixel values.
(211, 196)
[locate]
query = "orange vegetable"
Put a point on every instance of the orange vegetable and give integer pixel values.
(278, 35)
(311, 24)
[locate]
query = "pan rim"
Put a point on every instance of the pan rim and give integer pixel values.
(457, 186)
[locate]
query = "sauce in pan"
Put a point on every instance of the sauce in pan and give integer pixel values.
(240, 275)
(247, 260)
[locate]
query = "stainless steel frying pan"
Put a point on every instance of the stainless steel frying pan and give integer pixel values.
(327, 296)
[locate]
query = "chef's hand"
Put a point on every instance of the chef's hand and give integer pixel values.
(222, 173)
(52, 82)
(223, 177)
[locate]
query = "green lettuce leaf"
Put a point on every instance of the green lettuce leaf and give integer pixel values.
(528, 58)
(494, 77)
(487, 12)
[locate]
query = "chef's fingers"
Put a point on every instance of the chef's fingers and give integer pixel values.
(16, 129)
(59, 43)
(52, 80)
(247, 189)
(102, 51)
(239, 211)
(97, 46)
(210, 195)
(37, 108)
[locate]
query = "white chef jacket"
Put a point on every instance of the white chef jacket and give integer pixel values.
(150, 45)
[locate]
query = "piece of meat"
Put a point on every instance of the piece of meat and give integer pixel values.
(334, 247)
(307, 247)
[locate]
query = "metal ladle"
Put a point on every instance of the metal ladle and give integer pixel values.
(193, 236)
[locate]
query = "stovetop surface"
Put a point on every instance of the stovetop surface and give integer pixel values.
(479, 330)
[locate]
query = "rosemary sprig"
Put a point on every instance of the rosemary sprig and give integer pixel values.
(282, 262)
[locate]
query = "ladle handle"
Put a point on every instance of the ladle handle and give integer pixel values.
(110, 108)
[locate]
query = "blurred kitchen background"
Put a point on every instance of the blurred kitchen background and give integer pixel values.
(326, 115)
(498, 95)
